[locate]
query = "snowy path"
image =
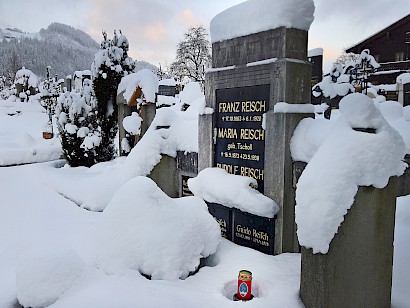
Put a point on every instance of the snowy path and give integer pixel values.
(34, 215)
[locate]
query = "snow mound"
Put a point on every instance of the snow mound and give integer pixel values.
(345, 160)
(307, 138)
(254, 16)
(191, 92)
(391, 110)
(283, 107)
(144, 230)
(331, 89)
(132, 123)
(234, 191)
(42, 276)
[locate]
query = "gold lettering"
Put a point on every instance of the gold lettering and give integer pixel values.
(252, 173)
(245, 146)
(222, 222)
(229, 168)
(231, 146)
(227, 133)
(260, 235)
(244, 230)
(229, 107)
(252, 134)
(253, 106)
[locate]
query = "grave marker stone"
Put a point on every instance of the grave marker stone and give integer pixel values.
(249, 75)
(357, 270)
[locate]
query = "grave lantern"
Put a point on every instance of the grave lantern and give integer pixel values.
(244, 292)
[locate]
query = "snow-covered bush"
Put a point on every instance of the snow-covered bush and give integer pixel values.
(77, 123)
(343, 78)
(109, 65)
(43, 276)
(144, 230)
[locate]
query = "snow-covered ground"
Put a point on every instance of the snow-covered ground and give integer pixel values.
(21, 134)
(35, 217)
(50, 246)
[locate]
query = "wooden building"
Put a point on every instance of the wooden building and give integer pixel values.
(390, 48)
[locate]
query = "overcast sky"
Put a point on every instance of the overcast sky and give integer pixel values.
(154, 27)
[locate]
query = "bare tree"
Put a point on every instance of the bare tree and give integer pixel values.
(193, 55)
(14, 65)
(346, 59)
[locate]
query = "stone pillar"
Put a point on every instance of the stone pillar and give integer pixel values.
(147, 114)
(404, 180)
(166, 176)
(279, 176)
(357, 270)
(123, 111)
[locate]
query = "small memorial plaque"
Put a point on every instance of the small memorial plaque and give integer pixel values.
(240, 138)
(392, 96)
(186, 192)
(223, 216)
(254, 231)
(166, 90)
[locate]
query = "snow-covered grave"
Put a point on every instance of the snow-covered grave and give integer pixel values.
(251, 73)
(21, 128)
(58, 250)
(350, 230)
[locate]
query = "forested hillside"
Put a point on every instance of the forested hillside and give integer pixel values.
(62, 47)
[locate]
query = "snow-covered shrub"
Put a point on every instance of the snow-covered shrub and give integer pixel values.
(77, 123)
(43, 276)
(144, 230)
(109, 65)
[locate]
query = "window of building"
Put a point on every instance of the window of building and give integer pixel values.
(399, 56)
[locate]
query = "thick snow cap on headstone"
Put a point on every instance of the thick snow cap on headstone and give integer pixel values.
(145, 79)
(346, 160)
(234, 191)
(254, 16)
(403, 78)
(315, 52)
(30, 77)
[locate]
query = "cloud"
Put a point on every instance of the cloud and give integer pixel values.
(188, 19)
(155, 32)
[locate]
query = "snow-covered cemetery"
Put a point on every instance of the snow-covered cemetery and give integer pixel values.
(242, 174)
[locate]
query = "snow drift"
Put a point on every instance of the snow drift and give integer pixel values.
(144, 230)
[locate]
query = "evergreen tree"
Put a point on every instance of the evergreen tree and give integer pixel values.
(80, 134)
(110, 64)
(193, 55)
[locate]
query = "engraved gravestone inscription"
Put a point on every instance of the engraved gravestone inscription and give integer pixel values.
(239, 136)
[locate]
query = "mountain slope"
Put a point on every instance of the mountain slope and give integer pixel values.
(62, 47)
